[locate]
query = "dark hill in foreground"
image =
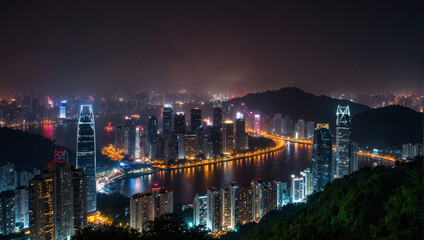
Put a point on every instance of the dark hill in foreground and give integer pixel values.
(25, 150)
(379, 203)
(387, 127)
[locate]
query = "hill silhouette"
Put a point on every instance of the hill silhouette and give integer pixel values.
(387, 127)
(25, 150)
(377, 128)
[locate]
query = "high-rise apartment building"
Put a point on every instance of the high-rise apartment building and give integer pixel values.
(410, 151)
(300, 129)
(167, 119)
(200, 210)
(282, 193)
(225, 192)
(214, 216)
(148, 206)
(8, 177)
(7, 212)
(297, 189)
(57, 200)
(309, 130)
(322, 157)
(86, 153)
(307, 181)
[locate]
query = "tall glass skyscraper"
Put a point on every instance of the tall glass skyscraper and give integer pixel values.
(196, 119)
(217, 127)
(322, 160)
(86, 153)
(167, 119)
(343, 141)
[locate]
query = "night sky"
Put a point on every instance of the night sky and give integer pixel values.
(123, 46)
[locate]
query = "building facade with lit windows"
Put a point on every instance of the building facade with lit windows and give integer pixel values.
(297, 189)
(86, 153)
(343, 141)
(57, 202)
(200, 210)
(229, 136)
(149, 206)
(7, 212)
(214, 216)
(322, 157)
(217, 128)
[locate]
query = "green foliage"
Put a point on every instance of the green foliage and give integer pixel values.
(379, 203)
(166, 227)
(170, 227)
(107, 232)
(113, 205)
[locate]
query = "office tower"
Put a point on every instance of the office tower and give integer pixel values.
(410, 151)
(7, 212)
(179, 134)
(86, 153)
(129, 136)
(200, 210)
(118, 140)
(300, 129)
(8, 177)
(62, 109)
(217, 127)
(343, 141)
(167, 119)
(309, 129)
(353, 157)
(257, 123)
(57, 200)
(151, 146)
(297, 189)
(276, 124)
(282, 193)
(322, 161)
(191, 147)
(148, 206)
(214, 216)
(229, 136)
(225, 195)
(241, 135)
(307, 181)
(205, 140)
(22, 207)
(287, 126)
(196, 119)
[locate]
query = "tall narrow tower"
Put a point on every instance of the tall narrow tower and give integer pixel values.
(343, 141)
(86, 152)
(217, 127)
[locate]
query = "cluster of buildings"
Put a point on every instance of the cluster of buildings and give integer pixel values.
(53, 203)
(410, 151)
(176, 139)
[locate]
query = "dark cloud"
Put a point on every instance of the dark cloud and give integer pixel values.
(97, 46)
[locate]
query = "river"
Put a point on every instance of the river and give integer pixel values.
(186, 182)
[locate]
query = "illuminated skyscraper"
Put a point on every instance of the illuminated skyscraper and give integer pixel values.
(214, 216)
(62, 110)
(151, 145)
(179, 134)
(200, 210)
(22, 207)
(190, 145)
(343, 141)
(57, 202)
(297, 189)
(229, 136)
(217, 127)
(322, 157)
(7, 212)
(86, 153)
(282, 193)
(196, 119)
(257, 124)
(307, 180)
(300, 129)
(241, 205)
(309, 127)
(263, 198)
(241, 136)
(148, 206)
(225, 192)
(167, 119)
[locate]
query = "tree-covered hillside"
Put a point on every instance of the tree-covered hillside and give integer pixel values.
(379, 203)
